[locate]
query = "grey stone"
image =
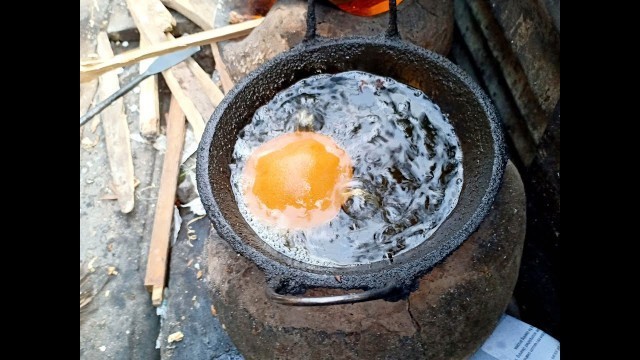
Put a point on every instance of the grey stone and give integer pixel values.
(186, 190)
(423, 22)
(454, 309)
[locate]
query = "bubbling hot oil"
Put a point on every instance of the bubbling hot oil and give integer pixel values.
(406, 158)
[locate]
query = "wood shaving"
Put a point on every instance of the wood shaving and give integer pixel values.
(191, 234)
(236, 18)
(90, 264)
(94, 124)
(87, 143)
(109, 197)
(176, 336)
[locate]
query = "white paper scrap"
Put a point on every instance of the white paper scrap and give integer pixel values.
(516, 340)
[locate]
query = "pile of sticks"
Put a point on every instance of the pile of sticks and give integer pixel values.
(194, 96)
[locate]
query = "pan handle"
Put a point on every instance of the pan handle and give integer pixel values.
(372, 294)
(392, 29)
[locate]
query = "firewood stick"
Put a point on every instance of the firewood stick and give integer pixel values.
(152, 14)
(161, 234)
(203, 14)
(194, 117)
(213, 93)
(149, 103)
(89, 70)
(210, 89)
(116, 132)
(153, 33)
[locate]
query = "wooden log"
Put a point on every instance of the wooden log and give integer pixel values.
(91, 69)
(156, 271)
(116, 133)
(149, 104)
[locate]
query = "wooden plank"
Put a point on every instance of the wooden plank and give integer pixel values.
(152, 34)
(151, 29)
(156, 271)
(122, 28)
(116, 133)
(192, 87)
(188, 107)
(91, 69)
(87, 92)
(201, 12)
(213, 93)
(151, 14)
(149, 105)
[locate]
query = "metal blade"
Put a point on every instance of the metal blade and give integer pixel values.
(164, 62)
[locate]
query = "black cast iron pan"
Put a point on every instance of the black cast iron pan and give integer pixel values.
(469, 111)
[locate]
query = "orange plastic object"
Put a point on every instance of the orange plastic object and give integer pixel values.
(363, 7)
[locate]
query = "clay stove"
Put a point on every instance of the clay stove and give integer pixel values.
(457, 303)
